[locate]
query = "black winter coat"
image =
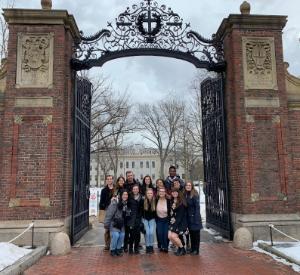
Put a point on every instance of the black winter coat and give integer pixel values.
(193, 212)
(136, 207)
(128, 186)
(105, 198)
(178, 220)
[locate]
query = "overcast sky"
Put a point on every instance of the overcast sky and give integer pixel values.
(150, 78)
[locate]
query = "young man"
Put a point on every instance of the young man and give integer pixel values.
(130, 181)
(170, 179)
(105, 199)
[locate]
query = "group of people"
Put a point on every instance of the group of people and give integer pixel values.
(170, 210)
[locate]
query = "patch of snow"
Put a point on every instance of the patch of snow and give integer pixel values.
(293, 251)
(290, 249)
(10, 253)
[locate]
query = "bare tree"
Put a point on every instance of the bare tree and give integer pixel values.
(4, 29)
(158, 124)
(110, 121)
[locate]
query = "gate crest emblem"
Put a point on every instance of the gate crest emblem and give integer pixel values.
(149, 29)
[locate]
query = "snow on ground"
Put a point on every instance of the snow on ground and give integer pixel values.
(292, 251)
(10, 253)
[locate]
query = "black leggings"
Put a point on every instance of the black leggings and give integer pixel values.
(195, 240)
(134, 237)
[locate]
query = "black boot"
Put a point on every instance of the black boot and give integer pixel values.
(119, 252)
(151, 250)
(130, 250)
(178, 251)
(195, 252)
(147, 249)
(113, 253)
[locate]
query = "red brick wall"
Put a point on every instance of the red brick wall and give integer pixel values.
(258, 152)
(294, 127)
(37, 158)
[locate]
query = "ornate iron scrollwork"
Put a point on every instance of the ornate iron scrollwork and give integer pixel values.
(149, 29)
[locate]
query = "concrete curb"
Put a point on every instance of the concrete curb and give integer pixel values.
(273, 250)
(28, 260)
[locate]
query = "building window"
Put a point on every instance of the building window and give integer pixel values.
(141, 164)
(102, 177)
(153, 164)
(133, 164)
(121, 165)
(96, 178)
(142, 176)
(183, 176)
(91, 168)
(90, 177)
(153, 176)
(127, 164)
(147, 164)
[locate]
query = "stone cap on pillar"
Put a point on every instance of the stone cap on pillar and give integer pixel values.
(252, 22)
(42, 17)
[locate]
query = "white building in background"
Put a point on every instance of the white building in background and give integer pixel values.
(142, 161)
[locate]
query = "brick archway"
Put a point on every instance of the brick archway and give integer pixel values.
(262, 103)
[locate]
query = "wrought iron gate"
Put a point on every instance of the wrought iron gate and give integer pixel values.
(81, 158)
(214, 155)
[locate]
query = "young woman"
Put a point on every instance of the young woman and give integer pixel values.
(134, 223)
(119, 186)
(115, 220)
(178, 222)
(147, 183)
(149, 213)
(105, 199)
(194, 217)
(163, 208)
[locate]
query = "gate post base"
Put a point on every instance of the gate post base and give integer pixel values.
(44, 230)
(258, 225)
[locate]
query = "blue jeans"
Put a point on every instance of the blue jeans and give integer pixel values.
(149, 228)
(117, 239)
(162, 232)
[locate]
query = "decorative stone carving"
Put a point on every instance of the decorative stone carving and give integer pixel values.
(254, 197)
(245, 8)
(259, 63)
(35, 60)
(18, 119)
(47, 119)
(46, 4)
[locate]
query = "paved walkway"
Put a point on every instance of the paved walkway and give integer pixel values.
(215, 258)
(87, 258)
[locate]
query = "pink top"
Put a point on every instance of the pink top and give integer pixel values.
(162, 208)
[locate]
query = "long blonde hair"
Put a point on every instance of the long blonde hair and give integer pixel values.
(147, 202)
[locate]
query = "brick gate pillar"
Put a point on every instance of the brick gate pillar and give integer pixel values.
(36, 173)
(262, 190)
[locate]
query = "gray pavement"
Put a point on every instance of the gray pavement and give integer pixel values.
(95, 236)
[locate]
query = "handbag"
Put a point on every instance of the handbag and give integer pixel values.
(101, 216)
(142, 228)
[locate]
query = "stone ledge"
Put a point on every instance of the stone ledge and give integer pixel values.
(272, 250)
(265, 219)
(262, 102)
(33, 102)
(25, 262)
(260, 22)
(38, 224)
(42, 17)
